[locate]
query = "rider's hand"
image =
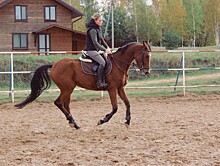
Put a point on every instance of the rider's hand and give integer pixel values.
(108, 51)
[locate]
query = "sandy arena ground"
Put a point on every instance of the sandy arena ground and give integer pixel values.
(164, 131)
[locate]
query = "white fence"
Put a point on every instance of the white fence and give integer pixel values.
(12, 91)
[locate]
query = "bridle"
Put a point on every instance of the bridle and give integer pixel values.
(142, 59)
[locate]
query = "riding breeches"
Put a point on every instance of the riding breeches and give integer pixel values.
(96, 57)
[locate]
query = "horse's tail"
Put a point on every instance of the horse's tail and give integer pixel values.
(40, 82)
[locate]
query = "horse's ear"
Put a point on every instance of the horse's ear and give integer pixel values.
(145, 44)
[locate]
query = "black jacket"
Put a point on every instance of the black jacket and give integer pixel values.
(94, 38)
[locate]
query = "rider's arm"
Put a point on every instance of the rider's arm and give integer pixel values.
(104, 43)
(93, 34)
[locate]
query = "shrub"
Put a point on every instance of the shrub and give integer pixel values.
(171, 40)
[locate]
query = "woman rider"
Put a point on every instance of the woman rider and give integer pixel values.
(95, 43)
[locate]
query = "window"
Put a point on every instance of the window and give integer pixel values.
(20, 41)
(21, 13)
(50, 13)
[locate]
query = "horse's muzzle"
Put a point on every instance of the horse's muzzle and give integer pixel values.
(145, 71)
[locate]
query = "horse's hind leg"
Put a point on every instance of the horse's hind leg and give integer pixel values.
(62, 102)
(113, 98)
(123, 96)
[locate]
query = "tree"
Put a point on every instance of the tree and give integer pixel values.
(160, 9)
(80, 24)
(176, 17)
(123, 31)
(194, 23)
(90, 7)
(212, 19)
(147, 22)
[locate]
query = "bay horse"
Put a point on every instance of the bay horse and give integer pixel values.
(67, 73)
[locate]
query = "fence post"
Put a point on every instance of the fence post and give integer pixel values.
(102, 94)
(184, 75)
(178, 74)
(12, 77)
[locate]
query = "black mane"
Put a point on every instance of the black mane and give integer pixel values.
(124, 47)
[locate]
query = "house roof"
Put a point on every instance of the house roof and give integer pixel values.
(39, 30)
(75, 13)
(4, 2)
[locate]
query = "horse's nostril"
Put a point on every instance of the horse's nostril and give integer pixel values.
(147, 72)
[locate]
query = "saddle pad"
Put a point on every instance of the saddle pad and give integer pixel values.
(87, 68)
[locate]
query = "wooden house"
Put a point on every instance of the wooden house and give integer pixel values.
(39, 25)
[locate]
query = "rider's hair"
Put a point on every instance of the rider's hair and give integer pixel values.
(96, 16)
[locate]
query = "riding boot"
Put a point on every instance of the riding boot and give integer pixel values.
(100, 83)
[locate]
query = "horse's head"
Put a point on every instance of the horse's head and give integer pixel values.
(142, 58)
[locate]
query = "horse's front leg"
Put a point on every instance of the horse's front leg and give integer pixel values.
(123, 96)
(113, 98)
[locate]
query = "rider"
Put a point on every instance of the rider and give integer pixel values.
(95, 43)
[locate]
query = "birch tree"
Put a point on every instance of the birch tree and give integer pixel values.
(212, 19)
(177, 15)
(194, 23)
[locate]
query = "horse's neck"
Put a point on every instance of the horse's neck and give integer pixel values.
(126, 56)
(123, 60)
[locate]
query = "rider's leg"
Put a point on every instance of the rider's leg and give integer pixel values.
(98, 58)
(100, 81)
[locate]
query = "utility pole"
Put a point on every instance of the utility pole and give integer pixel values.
(111, 14)
(113, 40)
(135, 17)
(106, 27)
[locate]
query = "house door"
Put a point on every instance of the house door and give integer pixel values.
(44, 44)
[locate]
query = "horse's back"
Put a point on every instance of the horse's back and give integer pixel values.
(64, 68)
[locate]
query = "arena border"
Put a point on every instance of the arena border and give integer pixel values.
(183, 69)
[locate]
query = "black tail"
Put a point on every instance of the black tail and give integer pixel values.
(40, 82)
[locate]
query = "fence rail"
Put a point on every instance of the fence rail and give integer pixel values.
(12, 91)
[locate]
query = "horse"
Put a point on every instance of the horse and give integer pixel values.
(67, 73)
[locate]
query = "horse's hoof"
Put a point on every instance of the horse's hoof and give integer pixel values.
(74, 126)
(100, 122)
(77, 127)
(127, 125)
(71, 125)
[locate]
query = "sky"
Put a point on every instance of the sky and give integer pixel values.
(149, 2)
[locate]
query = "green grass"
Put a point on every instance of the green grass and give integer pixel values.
(169, 75)
(139, 93)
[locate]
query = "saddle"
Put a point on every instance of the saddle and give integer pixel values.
(89, 66)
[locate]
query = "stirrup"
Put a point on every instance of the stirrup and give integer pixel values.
(101, 85)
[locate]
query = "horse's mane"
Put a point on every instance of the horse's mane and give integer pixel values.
(124, 47)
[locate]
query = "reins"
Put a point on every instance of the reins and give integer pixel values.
(115, 59)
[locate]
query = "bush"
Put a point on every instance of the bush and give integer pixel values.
(171, 40)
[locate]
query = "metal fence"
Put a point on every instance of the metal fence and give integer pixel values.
(12, 91)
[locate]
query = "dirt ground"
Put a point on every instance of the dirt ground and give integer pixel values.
(164, 131)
